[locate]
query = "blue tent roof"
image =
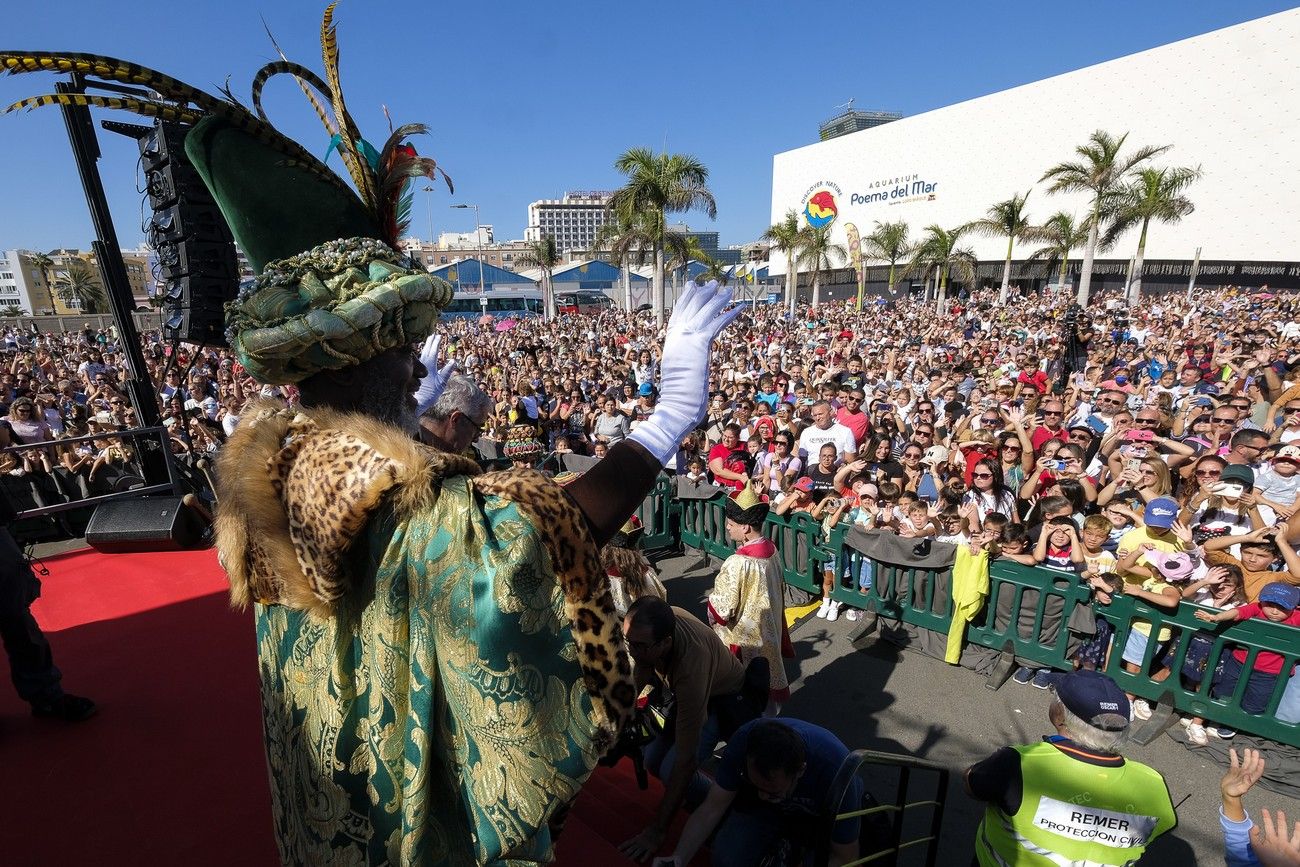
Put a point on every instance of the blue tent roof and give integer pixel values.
(695, 269)
(465, 273)
(591, 271)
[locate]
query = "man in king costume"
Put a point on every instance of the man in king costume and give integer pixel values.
(441, 662)
(747, 602)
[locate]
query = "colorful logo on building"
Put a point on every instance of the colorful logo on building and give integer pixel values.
(820, 210)
(819, 206)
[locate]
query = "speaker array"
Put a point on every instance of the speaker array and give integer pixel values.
(199, 270)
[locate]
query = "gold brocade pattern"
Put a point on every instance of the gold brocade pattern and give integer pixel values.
(444, 721)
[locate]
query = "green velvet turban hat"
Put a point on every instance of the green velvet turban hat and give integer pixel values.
(329, 294)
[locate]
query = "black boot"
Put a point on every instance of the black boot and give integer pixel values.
(70, 708)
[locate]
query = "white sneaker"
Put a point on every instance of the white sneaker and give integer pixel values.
(852, 615)
(833, 613)
(1141, 710)
(825, 608)
(1185, 721)
(1196, 735)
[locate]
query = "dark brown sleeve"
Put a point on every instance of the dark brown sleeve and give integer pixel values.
(614, 488)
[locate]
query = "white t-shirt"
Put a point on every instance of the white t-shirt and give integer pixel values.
(1279, 489)
(813, 438)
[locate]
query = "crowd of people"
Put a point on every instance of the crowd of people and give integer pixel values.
(1064, 437)
(1154, 451)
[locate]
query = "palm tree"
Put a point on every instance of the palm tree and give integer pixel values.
(938, 250)
(1008, 220)
(1060, 235)
(44, 263)
(81, 284)
(628, 242)
(544, 255)
(887, 243)
(12, 310)
(786, 237)
(715, 270)
(818, 252)
(679, 252)
(1153, 194)
(657, 185)
(1100, 172)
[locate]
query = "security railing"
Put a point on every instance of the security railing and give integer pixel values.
(49, 492)
(876, 844)
(1025, 618)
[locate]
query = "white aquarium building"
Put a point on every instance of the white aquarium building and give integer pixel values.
(1227, 101)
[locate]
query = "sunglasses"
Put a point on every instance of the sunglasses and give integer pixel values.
(1224, 421)
(912, 454)
(1208, 474)
(981, 475)
(1047, 412)
(1291, 409)
(1140, 420)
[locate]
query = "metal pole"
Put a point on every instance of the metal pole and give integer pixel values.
(478, 238)
(85, 151)
(1196, 267)
(429, 201)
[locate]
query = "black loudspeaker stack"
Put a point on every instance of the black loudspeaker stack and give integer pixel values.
(196, 259)
(144, 524)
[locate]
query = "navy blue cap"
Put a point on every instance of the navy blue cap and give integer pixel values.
(1286, 595)
(1094, 698)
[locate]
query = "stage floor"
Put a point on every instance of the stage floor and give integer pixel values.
(171, 770)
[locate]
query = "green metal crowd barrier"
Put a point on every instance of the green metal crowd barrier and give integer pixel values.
(658, 514)
(704, 526)
(1015, 617)
(1027, 611)
(801, 549)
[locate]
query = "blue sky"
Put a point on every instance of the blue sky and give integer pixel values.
(527, 100)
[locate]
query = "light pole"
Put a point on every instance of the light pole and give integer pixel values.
(478, 242)
(429, 190)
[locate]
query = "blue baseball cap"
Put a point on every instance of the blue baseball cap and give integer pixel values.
(1093, 697)
(646, 389)
(1160, 513)
(1285, 595)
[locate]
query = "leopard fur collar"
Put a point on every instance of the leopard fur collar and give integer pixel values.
(296, 487)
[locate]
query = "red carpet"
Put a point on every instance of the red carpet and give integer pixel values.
(171, 771)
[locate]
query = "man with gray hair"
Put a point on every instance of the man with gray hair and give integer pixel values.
(457, 417)
(1072, 798)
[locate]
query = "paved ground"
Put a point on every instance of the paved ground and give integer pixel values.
(885, 699)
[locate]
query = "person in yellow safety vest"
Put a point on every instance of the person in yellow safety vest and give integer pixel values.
(1071, 799)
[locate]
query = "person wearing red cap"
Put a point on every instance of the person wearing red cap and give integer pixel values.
(1071, 798)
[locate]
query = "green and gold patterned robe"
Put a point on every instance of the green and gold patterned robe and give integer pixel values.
(441, 665)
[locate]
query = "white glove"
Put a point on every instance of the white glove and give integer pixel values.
(432, 385)
(698, 317)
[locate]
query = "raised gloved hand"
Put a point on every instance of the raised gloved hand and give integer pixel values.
(698, 317)
(432, 385)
